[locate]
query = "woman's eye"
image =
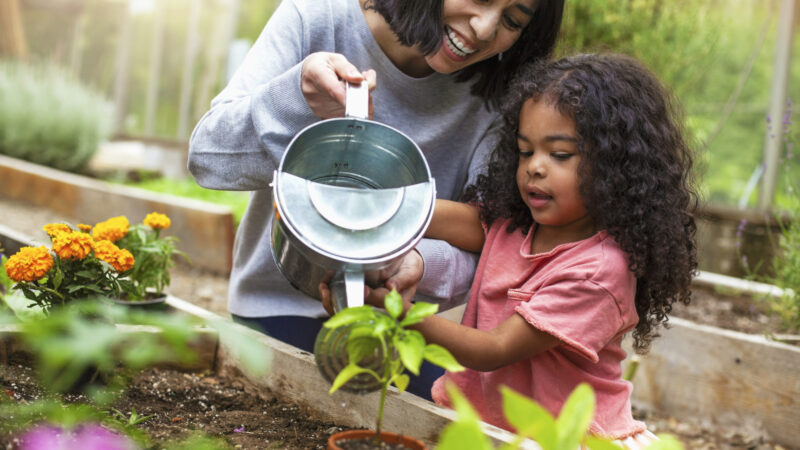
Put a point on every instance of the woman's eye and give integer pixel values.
(525, 153)
(511, 23)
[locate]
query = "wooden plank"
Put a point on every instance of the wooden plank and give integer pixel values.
(699, 372)
(205, 230)
(205, 346)
(294, 375)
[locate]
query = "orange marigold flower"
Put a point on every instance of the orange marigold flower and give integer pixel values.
(124, 260)
(53, 229)
(157, 221)
(84, 228)
(72, 245)
(29, 264)
(120, 259)
(112, 229)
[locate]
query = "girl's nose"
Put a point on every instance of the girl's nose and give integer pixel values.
(536, 168)
(484, 24)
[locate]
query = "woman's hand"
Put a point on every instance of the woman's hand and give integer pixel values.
(322, 81)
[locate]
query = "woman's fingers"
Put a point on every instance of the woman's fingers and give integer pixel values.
(322, 81)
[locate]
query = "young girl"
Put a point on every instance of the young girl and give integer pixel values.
(585, 230)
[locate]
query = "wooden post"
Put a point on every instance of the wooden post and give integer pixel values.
(121, 72)
(12, 32)
(155, 70)
(188, 70)
(780, 80)
(76, 53)
(219, 46)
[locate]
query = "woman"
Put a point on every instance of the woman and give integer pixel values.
(435, 69)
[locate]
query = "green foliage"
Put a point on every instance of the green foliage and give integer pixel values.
(716, 57)
(5, 282)
(236, 200)
(786, 262)
(401, 348)
(133, 418)
(532, 421)
(153, 257)
(81, 338)
(48, 117)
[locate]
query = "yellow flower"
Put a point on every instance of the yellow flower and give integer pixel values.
(84, 228)
(53, 229)
(29, 264)
(120, 259)
(157, 221)
(72, 245)
(112, 229)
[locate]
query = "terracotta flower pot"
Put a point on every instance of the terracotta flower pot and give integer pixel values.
(369, 435)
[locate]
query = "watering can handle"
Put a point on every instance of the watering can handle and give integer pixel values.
(357, 100)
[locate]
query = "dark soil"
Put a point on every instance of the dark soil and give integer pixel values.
(181, 403)
(736, 312)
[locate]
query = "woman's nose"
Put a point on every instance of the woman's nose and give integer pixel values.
(484, 24)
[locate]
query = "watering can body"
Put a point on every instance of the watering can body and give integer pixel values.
(352, 197)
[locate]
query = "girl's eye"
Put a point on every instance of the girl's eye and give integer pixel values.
(562, 156)
(525, 153)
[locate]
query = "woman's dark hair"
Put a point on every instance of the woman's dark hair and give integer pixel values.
(636, 177)
(420, 22)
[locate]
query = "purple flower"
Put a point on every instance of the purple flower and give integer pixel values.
(238, 430)
(83, 437)
(740, 228)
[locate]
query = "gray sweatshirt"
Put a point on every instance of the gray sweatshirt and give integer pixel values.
(239, 142)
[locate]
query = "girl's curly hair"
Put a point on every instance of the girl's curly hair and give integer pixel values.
(635, 171)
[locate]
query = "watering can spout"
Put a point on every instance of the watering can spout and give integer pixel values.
(347, 290)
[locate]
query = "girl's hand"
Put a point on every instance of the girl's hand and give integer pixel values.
(322, 81)
(405, 280)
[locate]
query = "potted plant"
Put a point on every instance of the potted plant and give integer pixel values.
(372, 334)
(76, 266)
(153, 253)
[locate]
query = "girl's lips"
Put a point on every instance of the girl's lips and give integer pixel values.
(538, 200)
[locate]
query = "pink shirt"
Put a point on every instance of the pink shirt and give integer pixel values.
(580, 292)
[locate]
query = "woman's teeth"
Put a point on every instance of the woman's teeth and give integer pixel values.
(456, 46)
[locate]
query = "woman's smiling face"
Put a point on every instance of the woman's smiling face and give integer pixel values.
(475, 30)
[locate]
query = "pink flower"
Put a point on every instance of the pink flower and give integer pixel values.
(83, 437)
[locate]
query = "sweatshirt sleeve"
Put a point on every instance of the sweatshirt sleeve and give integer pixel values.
(238, 143)
(448, 271)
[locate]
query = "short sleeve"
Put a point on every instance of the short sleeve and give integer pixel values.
(580, 313)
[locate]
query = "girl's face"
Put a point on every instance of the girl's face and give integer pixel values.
(547, 174)
(475, 30)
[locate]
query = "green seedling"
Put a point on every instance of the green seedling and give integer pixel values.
(532, 421)
(133, 419)
(388, 333)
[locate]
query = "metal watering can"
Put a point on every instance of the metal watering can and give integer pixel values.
(352, 197)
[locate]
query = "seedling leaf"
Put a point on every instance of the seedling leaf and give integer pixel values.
(439, 355)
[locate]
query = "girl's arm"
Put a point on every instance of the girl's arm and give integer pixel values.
(458, 224)
(513, 341)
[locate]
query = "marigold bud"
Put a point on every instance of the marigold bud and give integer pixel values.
(157, 221)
